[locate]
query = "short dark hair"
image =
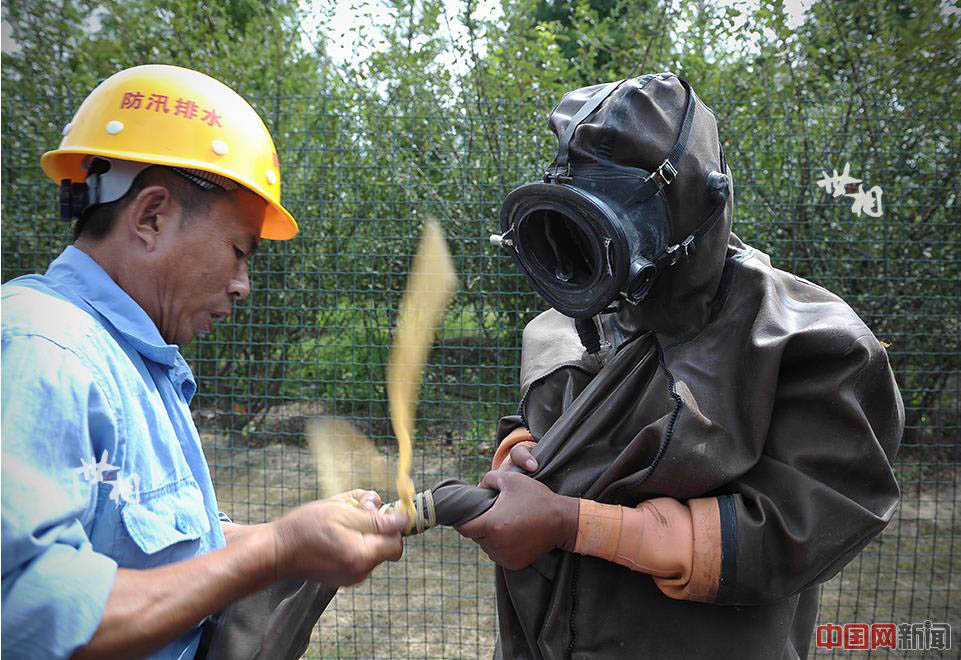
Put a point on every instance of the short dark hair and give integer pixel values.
(97, 222)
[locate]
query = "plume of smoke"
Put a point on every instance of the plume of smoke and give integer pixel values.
(430, 287)
(346, 458)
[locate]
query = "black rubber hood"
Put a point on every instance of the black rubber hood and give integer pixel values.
(634, 208)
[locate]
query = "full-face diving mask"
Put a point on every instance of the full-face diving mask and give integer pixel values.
(599, 232)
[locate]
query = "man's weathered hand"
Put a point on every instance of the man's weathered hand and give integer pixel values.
(526, 521)
(366, 499)
(337, 541)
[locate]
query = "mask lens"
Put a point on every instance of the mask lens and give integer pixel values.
(561, 251)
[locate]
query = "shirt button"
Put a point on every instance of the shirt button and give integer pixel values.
(181, 522)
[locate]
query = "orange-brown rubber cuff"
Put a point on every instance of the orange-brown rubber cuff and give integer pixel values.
(678, 544)
(706, 571)
(598, 529)
(515, 437)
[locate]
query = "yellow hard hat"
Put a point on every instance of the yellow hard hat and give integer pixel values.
(168, 115)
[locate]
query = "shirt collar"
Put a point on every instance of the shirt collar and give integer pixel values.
(78, 270)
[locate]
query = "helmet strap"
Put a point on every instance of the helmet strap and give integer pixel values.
(109, 179)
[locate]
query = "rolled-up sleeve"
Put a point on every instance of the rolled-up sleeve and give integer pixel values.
(54, 585)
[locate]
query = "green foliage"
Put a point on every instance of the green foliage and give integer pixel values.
(597, 38)
(67, 47)
(873, 84)
(252, 45)
(444, 112)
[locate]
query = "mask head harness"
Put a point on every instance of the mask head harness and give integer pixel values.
(109, 179)
(595, 233)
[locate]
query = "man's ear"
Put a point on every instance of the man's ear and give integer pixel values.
(151, 212)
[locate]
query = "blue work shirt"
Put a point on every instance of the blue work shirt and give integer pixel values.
(102, 464)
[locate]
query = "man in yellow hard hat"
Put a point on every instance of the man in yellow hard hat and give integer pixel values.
(112, 541)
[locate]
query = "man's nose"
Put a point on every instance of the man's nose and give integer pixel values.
(239, 287)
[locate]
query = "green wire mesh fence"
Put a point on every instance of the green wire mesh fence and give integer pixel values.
(361, 176)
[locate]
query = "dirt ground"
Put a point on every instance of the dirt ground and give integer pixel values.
(438, 601)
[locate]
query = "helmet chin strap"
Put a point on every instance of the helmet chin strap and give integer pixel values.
(109, 179)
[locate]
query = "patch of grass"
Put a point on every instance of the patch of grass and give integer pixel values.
(438, 601)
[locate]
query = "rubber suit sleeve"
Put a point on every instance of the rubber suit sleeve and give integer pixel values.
(823, 486)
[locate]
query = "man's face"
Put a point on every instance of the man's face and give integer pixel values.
(202, 266)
